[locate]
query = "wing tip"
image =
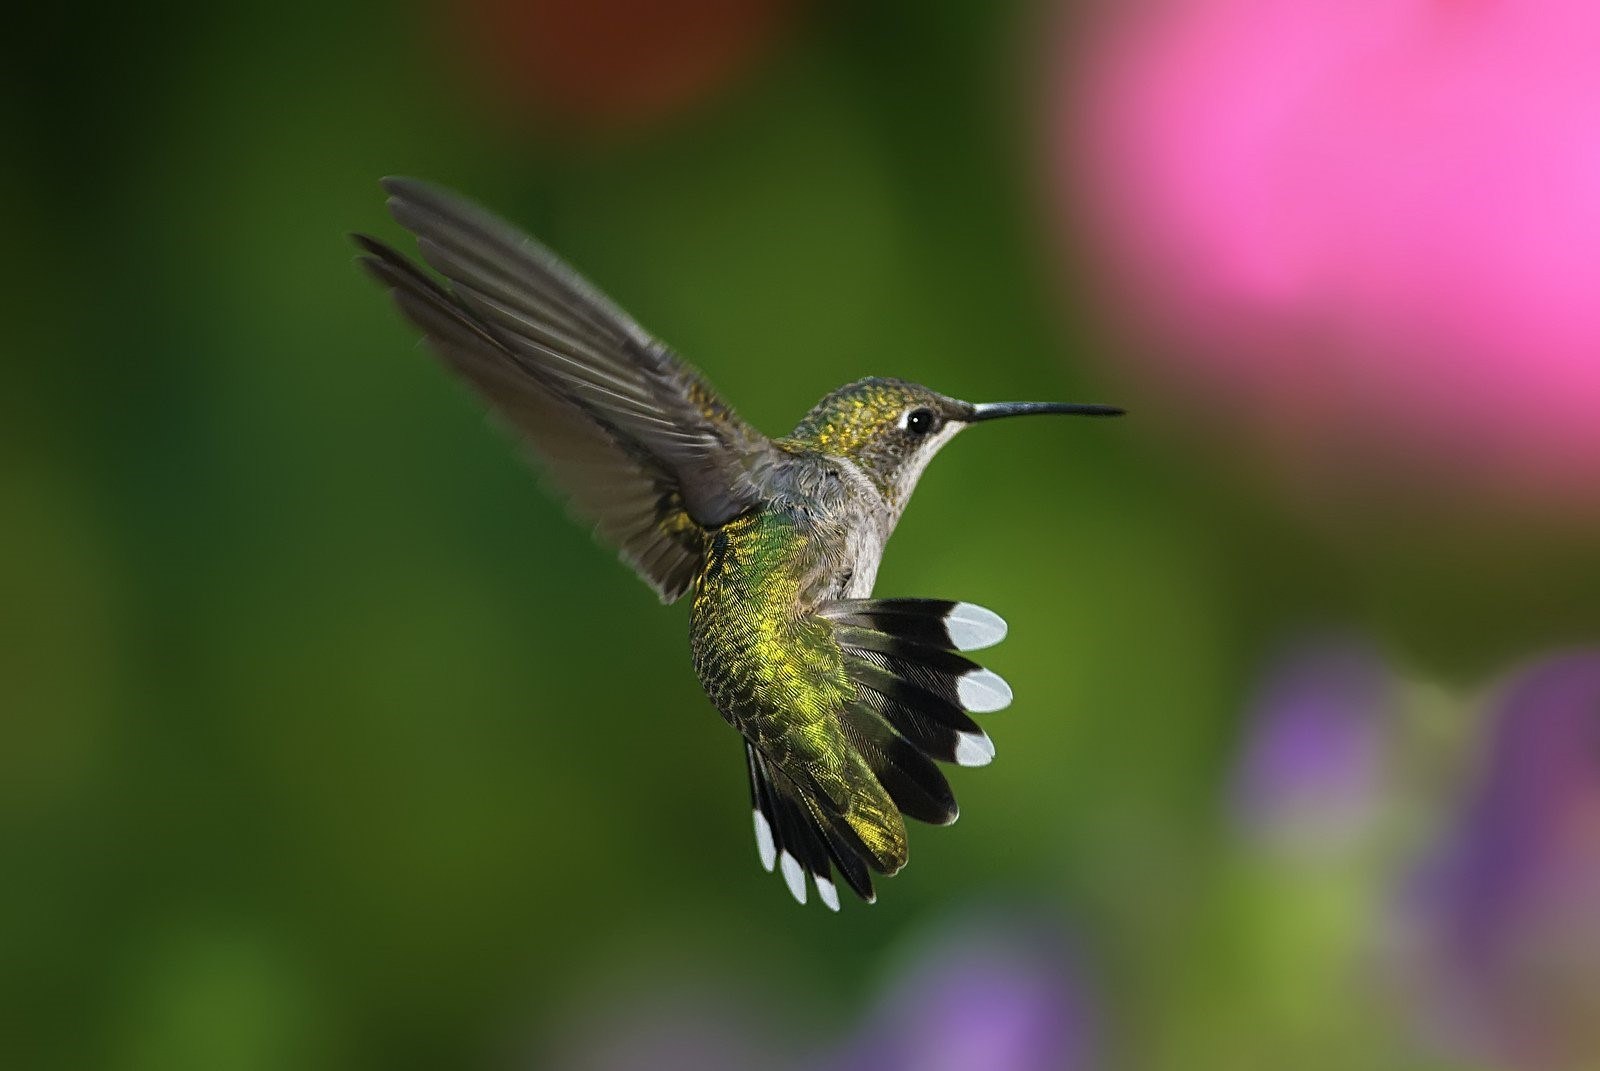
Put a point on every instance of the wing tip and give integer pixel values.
(403, 185)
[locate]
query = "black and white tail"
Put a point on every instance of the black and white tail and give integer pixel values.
(915, 695)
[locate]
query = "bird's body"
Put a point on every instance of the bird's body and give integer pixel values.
(843, 701)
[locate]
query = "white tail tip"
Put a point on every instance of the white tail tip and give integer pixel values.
(974, 749)
(973, 628)
(983, 692)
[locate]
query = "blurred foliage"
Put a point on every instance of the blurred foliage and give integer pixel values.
(326, 738)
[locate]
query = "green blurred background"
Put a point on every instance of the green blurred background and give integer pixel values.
(328, 740)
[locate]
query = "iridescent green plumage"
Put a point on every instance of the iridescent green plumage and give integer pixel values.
(844, 701)
(774, 669)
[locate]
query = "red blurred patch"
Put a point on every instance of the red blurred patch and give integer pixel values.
(614, 65)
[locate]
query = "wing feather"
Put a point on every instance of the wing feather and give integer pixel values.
(581, 345)
(631, 435)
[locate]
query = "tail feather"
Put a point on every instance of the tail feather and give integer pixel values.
(910, 777)
(938, 728)
(914, 699)
(955, 679)
(953, 626)
(764, 809)
(902, 655)
(793, 834)
(849, 854)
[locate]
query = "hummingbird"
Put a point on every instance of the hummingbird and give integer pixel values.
(846, 703)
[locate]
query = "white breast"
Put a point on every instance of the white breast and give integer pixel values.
(867, 526)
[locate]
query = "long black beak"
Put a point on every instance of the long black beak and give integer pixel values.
(996, 410)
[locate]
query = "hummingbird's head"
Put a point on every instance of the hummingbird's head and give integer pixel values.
(891, 428)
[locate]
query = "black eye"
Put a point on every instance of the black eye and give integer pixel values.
(920, 421)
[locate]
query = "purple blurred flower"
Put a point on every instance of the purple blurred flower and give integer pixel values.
(697, 1030)
(997, 996)
(1506, 918)
(994, 995)
(1312, 769)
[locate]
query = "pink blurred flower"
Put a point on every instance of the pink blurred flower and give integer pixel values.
(1367, 234)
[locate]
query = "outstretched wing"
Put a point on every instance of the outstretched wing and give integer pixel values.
(914, 695)
(635, 437)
